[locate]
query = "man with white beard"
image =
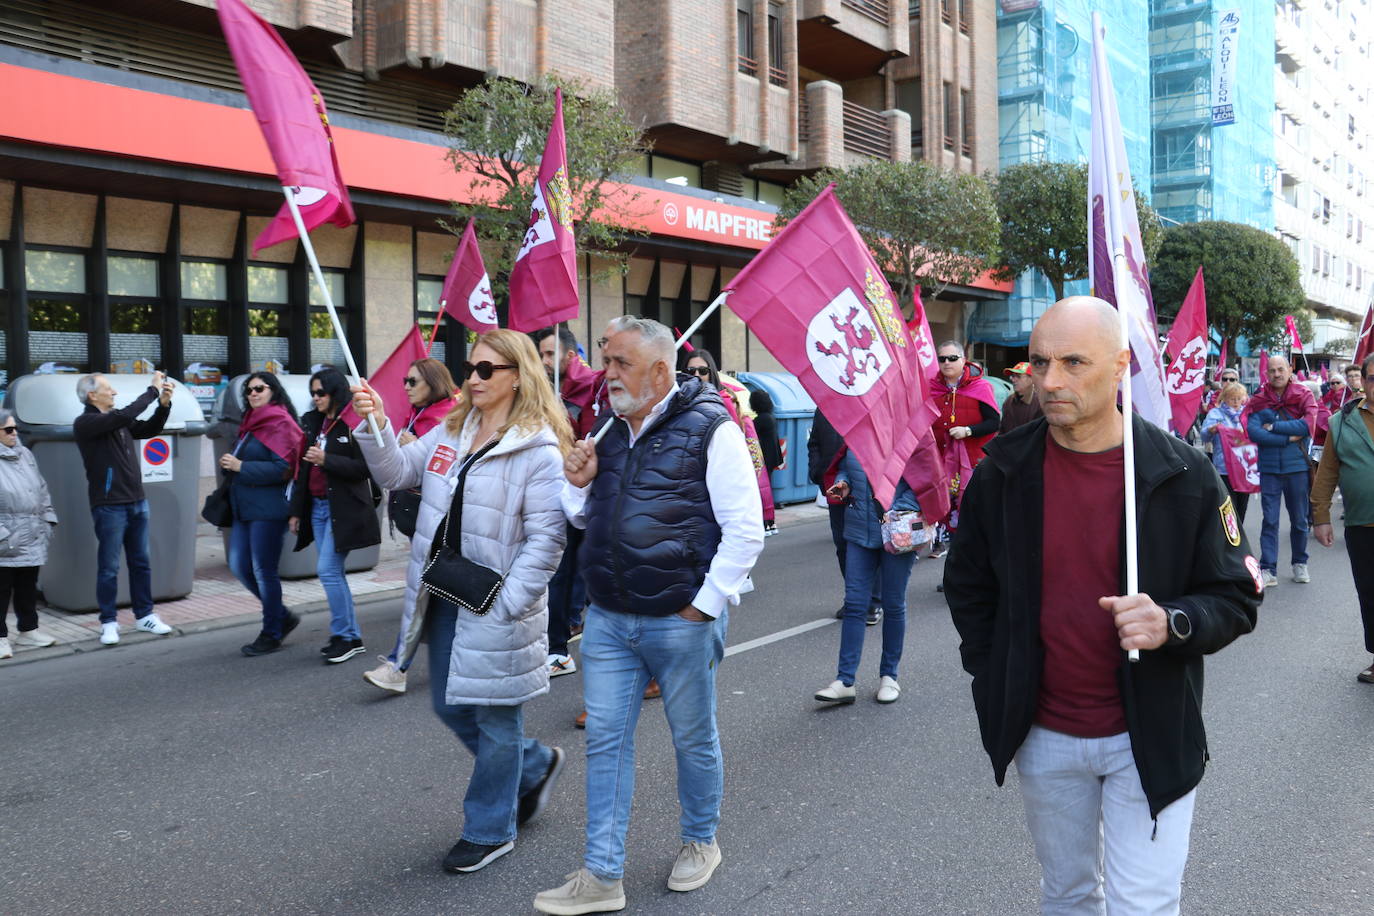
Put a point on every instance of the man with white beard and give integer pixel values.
(673, 524)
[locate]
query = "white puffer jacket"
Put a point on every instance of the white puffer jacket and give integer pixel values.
(512, 523)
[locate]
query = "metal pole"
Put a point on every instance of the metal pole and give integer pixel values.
(328, 302)
(434, 331)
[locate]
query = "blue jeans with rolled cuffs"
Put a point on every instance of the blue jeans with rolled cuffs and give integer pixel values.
(507, 765)
(620, 653)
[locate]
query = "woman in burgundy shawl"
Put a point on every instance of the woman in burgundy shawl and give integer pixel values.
(966, 418)
(264, 458)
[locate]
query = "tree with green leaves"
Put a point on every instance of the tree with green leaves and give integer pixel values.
(1043, 208)
(497, 132)
(924, 225)
(1251, 277)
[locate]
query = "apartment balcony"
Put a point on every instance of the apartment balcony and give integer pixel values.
(1290, 99)
(1291, 220)
(1332, 336)
(1290, 44)
(851, 39)
(1289, 158)
(1180, 109)
(835, 132)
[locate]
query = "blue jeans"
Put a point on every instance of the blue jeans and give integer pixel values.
(620, 653)
(254, 554)
(508, 765)
(1293, 490)
(330, 569)
(862, 566)
(837, 515)
(122, 525)
(1099, 850)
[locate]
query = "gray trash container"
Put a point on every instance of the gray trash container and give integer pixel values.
(228, 412)
(46, 405)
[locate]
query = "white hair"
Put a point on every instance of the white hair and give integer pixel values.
(86, 385)
(655, 338)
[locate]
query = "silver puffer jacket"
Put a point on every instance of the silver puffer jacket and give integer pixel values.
(26, 513)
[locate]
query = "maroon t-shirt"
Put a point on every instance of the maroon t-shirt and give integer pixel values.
(1081, 562)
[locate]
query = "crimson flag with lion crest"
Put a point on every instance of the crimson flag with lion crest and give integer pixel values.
(818, 301)
(1187, 348)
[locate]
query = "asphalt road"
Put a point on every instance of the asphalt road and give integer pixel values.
(179, 777)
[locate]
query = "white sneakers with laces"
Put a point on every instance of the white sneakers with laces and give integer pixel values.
(109, 634)
(152, 624)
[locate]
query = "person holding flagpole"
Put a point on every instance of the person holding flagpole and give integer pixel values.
(1109, 752)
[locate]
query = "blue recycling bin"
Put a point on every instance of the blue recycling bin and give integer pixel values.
(793, 410)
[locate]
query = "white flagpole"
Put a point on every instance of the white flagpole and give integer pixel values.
(328, 302)
(691, 329)
(1121, 275)
(557, 391)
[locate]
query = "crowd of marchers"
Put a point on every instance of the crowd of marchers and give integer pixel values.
(626, 508)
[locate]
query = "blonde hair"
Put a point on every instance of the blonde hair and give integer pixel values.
(535, 404)
(1230, 389)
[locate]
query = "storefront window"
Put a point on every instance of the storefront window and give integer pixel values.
(135, 322)
(325, 349)
(268, 347)
(205, 344)
(267, 284)
(427, 290)
(59, 312)
(204, 280)
(131, 276)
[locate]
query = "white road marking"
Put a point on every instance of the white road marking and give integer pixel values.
(780, 635)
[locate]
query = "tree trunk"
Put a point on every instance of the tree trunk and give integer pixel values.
(1057, 281)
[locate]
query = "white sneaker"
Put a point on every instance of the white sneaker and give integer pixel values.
(889, 690)
(837, 692)
(36, 639)
(5, 650)
(1270, 580)
(153, 624)
(561, 664)
(109, 634)
(695, 864)
(1300, 574)
(386, 676)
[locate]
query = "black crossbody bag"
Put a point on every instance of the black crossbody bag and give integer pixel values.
(449, 574)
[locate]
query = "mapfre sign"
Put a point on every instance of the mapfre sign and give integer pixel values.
(688, 217)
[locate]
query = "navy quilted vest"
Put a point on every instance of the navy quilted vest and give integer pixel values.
(651, 535)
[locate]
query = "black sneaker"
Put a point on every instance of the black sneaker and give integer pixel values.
(261, 646)
(329, 647)
(839, 615)
(466, 857)
(343, 650)
(290, 623)
(875, 614)
(535, 800)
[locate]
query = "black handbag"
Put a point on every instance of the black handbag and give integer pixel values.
(403, 508)
(452, 576)
(217, 509)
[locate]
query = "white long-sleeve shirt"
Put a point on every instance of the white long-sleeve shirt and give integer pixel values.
(735, 502)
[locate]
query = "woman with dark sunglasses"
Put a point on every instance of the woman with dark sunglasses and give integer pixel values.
(264, 458)
(430, 391)
(332, 506)
(736, 397)
(505, 441)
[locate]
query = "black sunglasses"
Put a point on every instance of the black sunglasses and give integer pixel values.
(699, 370)
(484, 369)
(9, 429)
(256, 389)
(410, 381)
(319, 393)
(950, 359)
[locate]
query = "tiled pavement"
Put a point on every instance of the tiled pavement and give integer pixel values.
(218, 600)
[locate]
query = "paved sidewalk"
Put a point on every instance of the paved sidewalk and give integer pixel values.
(218, 600)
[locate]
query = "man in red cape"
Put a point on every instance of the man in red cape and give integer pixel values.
(966, 419)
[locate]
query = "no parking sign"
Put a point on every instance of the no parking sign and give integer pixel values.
(155, 458)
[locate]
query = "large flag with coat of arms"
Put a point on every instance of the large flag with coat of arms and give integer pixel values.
(818, 301)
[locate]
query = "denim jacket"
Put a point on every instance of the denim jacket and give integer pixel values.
(863, 518)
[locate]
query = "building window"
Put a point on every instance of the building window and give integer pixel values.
(675, 171)
(964, 23)
(966, 122)
(59, 310)
(268, 330)
(777, 75)
(951, 119)
(325, 348)
(744, 37)
(135, 314)
(205, 322)
(909, 99)
(946, 11)
(913, 9)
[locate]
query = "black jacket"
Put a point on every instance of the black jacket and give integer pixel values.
(106, 441)
(1187, 561)
(822, 444)
(352, 502)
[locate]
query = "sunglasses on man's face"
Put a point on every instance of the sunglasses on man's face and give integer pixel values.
(410, 381)
(9, 429)
(1229, 378)
(484, 369)
(256, 389)
(699, 370)
(950, 359)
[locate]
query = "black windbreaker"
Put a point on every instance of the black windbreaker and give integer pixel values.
(1187, 560)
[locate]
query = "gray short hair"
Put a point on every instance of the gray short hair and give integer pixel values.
(951, 343)
(87, 384)
(6, 415)
(656, 339)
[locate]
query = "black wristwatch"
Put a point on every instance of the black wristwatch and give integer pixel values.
(1180, 627)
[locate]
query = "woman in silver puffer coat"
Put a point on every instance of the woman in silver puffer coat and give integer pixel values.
(26, 520)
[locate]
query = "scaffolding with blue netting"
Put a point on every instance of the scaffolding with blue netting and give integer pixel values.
(1044, 58)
